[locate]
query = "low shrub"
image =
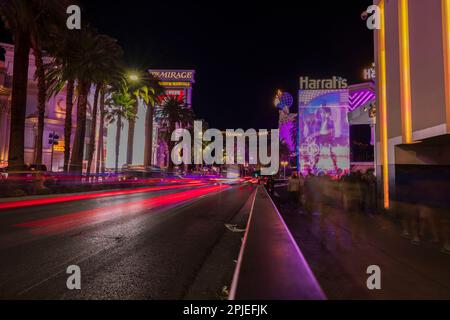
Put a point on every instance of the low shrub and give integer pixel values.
(43, 191)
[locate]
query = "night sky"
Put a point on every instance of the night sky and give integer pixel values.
(242, 51)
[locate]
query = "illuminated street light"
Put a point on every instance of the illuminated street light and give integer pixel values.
(284, 164)
(134, 77)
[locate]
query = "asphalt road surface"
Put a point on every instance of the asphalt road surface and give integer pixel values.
(161, 244)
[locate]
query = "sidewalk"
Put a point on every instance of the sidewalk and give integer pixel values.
(339, 246)
(270, 264)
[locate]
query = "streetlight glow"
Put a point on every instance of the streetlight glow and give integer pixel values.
(284, 164)
(134, 77)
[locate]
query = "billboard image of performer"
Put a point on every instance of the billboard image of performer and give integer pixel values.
(323, 133)
(324, 136)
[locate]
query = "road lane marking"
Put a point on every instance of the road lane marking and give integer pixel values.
(241, 252)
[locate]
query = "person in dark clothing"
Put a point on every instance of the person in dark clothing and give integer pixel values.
(270, 186)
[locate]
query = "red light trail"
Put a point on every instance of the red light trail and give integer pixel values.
(67, 221)
(44, 201)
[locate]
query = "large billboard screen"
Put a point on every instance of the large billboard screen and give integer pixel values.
(324, 146)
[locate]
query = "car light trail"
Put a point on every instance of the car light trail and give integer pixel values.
(67, 221)
(45, 201)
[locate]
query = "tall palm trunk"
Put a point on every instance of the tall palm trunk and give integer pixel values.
(16, 156)
(68, 123)
(42, 98)
(148, 147)
(118, 136)
(76, 163)
(130, 142)
(91, 150)
(99, 167)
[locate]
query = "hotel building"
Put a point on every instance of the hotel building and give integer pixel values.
(412, 51)
(55, 114)
(175, 83)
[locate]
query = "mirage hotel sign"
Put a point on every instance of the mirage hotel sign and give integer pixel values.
(174, 75)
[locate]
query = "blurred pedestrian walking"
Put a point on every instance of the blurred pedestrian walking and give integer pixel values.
(294, 189)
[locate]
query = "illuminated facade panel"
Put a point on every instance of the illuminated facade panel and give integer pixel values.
(175, 83)
(413, 113)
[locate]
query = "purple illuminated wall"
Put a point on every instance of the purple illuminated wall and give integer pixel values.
(286, 127)
(324, 146)
(360, 98)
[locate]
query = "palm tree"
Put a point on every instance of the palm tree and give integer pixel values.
(120, 107)
(96, 55)
(135, 88)
(100, 161)
(60, 73)
(147, 90)
(115, 81)
(173, 111)
(24, 19)
(51, 16)
(18, 18)
(110, 74)
(93, 131)
(64, 71)
(150, 95)
(70, 89)
(131, 128)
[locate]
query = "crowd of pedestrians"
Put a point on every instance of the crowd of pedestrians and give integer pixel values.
(356, 194)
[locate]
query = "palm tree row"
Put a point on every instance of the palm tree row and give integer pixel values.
(80, 60)
(86, 60)
(121, 106)
(30, 22)
(173, 114)
(147, 90)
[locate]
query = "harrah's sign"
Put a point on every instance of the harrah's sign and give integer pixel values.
(174, 75)
(334, 83)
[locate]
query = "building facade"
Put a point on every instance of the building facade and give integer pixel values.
(334, 130)
(55, 115)
(177, 83)
(361, 118)
(412, 51)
